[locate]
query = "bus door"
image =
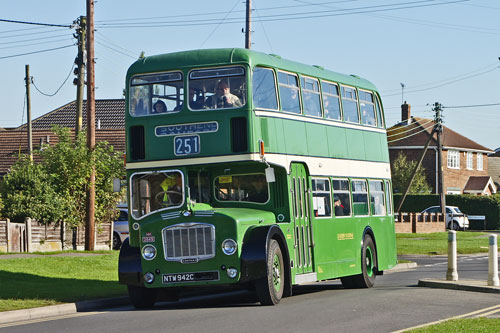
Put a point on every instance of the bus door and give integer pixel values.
(301, 219)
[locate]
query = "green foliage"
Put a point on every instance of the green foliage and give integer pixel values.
(26, 192)
(489, 206)
(55, 189)
(401, 174)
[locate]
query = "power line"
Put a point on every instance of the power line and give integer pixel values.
(32, 44)
(118, 51)
(470, 106)
(32, 33)
(289, 16)
(445, 84)
(50, 95)
(33, 39)
(34, 52)
(37, 23)
(218, 25)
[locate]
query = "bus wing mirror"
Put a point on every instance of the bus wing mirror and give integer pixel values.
(270, 175)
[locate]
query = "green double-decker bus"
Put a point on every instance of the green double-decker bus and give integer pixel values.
(246, 170)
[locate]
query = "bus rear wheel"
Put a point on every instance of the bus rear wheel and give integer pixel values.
(368, 267)
(270, 289)
(142, 297)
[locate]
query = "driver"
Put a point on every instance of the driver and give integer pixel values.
(174, 192)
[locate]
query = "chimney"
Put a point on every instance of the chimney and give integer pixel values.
(405, 111)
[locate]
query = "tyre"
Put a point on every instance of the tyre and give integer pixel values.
(117, 243)
(142, 297)
(368, 267)
(270, 289)
(455, 226)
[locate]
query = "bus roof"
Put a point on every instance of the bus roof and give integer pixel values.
(217, 57)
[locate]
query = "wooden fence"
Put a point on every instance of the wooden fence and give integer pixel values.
(32, 236)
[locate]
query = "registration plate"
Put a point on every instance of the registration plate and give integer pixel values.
(186, 145)
(190, 277)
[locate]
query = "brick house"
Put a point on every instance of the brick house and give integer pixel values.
(494, 167)
(110, 127)
(465, 162)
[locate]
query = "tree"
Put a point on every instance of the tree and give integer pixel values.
(401, 173)
(55, 189)
(26, 192)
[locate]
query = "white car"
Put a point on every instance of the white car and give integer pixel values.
(455, 219)
(120, 228)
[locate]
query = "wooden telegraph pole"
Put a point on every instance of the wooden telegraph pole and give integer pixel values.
(248, 28)
(28, 107)
(90, 216)
(80, 72)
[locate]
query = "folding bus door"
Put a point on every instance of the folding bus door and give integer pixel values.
(301, 219)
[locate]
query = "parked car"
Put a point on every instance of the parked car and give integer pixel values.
(120, 228)
(455, 219)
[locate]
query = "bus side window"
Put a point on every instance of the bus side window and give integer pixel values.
(377, 197)
(289, 92)
(388, 197)
(367, 108)
(360, 197)
(264, 89)
(341, 197)
(350, 104)
(322, 206)
(331, 102)
(310, 97)
(380, 116)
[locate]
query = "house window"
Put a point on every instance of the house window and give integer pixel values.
(469, 160)
(453, 159)
(480, 161)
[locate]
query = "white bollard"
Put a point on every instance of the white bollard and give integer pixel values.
(452, 274)
(493, 262)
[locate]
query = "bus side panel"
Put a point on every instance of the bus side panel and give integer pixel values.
(385, 241)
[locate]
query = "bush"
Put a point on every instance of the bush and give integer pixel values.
(488, 206)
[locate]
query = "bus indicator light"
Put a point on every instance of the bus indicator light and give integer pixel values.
(261, 148)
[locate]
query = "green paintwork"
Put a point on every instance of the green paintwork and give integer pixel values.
(335, 243)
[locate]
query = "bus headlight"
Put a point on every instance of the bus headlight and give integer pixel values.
(229, 247)
(149, 252)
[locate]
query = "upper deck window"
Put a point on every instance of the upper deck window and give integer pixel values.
(380, 122)
(331, 102)
(264, 89)
(289, 92)
(350, 104)
(156, 94)
(367, 108)
(310, 97)
(217, 88)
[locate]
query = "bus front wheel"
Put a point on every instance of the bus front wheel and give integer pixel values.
(142, 297)
(270, 289)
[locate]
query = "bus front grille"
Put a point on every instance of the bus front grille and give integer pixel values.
(189, 242)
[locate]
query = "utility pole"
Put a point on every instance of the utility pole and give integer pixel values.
(248, 29)
(80, 71)
(439, 123)
(28, 106)
(90, 216)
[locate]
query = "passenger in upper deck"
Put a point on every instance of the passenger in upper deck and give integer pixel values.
(222, 98)
(159, 107)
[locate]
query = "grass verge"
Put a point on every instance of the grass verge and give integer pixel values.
(437, 243)
(49, 280)
(476, 325)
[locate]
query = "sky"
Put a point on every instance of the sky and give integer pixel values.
(444, 51)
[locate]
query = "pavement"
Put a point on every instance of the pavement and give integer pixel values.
(88, 306)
